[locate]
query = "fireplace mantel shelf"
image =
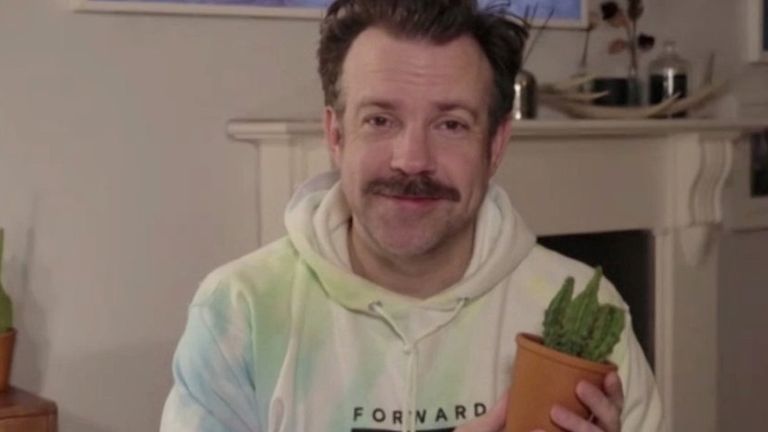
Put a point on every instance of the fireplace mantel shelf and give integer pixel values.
(687, 160)
(247, 130)
(667, 177)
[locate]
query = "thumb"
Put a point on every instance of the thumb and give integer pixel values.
(492, 421)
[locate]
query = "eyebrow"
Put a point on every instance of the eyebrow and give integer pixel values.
(455, 105)
(376, 103)
(444, 106)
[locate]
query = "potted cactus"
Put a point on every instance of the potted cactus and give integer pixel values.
(579, 335)
(7, 332)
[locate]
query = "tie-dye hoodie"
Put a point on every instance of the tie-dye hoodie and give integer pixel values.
(289, 339)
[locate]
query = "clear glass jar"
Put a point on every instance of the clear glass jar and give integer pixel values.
(668, 76)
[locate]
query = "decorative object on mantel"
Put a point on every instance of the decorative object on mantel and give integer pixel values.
(668, 77)
(569, 13)
(7, 332)
(624, 90)
(582, 69)
(525, 102)
(566, 97)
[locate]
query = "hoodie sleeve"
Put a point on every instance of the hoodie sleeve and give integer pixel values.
(213, 388)
(642, 406)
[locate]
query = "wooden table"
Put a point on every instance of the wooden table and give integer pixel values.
(21, 411)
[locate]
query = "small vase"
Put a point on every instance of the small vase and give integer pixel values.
(525, 103)
(668, 77)
(543, 377)
(634, 88)
(616, 88)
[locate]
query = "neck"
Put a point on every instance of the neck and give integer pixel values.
(419, 276)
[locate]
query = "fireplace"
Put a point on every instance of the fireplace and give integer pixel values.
(641, 198)
(627, 260)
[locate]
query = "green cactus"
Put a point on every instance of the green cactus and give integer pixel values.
(6, 307)
(580, 316)
(605, 334)
(553, 323)
(580, 326)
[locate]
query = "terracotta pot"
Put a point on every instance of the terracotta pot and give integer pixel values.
(7, 341)
(543, 377)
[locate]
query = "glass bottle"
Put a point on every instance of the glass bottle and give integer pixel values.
(668, 76)
(525, 102)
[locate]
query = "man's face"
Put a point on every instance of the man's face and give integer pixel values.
(412, 143)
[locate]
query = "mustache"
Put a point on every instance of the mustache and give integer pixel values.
(419, 186)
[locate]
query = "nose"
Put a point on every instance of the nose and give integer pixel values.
(411, 153)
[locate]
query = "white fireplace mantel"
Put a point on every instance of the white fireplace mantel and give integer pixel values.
(566, 177)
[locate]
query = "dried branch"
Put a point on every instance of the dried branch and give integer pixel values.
(538, 33)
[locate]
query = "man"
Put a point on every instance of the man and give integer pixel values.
(394, 301)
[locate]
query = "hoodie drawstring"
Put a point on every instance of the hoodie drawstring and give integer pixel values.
(410, 349)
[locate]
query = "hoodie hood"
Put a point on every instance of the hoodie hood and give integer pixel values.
(317, 220)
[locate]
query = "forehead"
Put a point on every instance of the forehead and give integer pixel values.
(380, 65)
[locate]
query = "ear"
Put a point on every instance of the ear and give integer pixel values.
(333, 138)
(499, 143)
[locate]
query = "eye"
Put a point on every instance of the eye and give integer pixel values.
(378, 121)
(452, 125)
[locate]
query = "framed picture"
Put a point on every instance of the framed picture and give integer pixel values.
(758, 170)
(757, 36)
(565, 13)
(747, 192)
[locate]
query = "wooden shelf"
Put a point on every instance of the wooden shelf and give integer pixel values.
(250, 130)
(21, 411)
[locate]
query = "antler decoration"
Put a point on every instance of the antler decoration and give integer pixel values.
(565, 97)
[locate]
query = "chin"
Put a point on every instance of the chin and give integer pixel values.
(407, 244)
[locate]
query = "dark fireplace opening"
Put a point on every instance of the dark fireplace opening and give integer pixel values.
(627, 261)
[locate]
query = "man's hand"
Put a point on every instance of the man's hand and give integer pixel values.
(605, 405)
(492, 421)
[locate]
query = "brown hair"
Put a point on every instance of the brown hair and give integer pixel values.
(438, 21)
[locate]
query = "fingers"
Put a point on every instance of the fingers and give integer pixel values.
(614, 390)
(605, 405)
(572, 422)
(492, 421)
(605, 411)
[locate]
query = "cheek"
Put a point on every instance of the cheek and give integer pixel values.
(356, 171)
(473, 189)
(467, 170)
(366, 161)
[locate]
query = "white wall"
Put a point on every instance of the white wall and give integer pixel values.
(701, 27)
(742, 322)
(119, 189)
